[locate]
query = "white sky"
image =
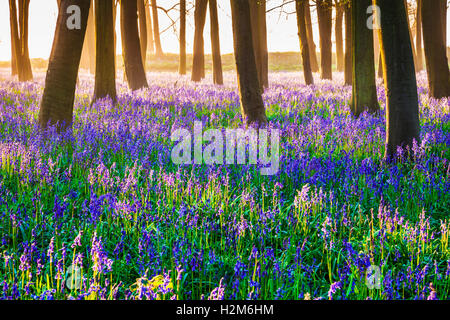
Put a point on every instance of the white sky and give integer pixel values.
(282, 29)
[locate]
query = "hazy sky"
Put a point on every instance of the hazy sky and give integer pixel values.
(282, 28)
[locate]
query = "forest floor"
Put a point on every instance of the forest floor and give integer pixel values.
(103, 212)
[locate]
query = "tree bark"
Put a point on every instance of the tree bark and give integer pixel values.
(364, 94)
(14, 29)
(435, 50)
(324, 15)
(60, 82)
(312, 45)
(259, 33)
(348, 44)
(90, 39)
(157, 38)
(142, 31)
(300, 6)
(134, 69)
(198, 64)
(105, 72)
(402, 106)
(215, 43)
(252, 106)
(339, 37)
(182, 63)
(27, 73)
(419, 48)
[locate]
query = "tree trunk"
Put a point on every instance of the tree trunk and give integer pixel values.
(348, 44)
(215, 43)
(157, 38)
(134, 69)
(380, 66)
(364, 87)
(259, 34)
(435, 50)
(300, 6)
(324, 15)
(27, 73)
(90, 39)
(198, 64)
(182, 67)
(60, 82)
(339, 37)
(444, 20)
(105, 72)
(312, 45)
(252, 106)
(142, 31)
(15, 46)
(419, 49)
(150, 40)
(402, 106)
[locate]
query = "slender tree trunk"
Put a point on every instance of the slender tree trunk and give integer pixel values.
(105, 72)
(402, 106)
(134, 69)
(348, 43)
(198, 64)
(364, 87)
(259, 30)
(312, 45)
(215, 43)
(27, 73)
(150, 40)
(142, 31)
(324, 15)
(252, 106)
(444, 19)
(157, 38)
(182, 64)
(435, 50)
(300, 6)
(380, 66)
(419, 49)
(339, 36)
(15, 46)
(60, 82)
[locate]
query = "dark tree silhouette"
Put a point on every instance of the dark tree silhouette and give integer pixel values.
(156, 36)
(402, 106)
(324, 15)
(182, 63)
(215, 43)
(252, 106)
(364, 94)
(300, 6)
(198, 64)
(134, 69)
(435, 49)
(348, 43)
(60, 82)
(312, 44)
(105, 72)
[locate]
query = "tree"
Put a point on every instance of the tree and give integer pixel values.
(215, 43)
(150, 40)
(60, 82)
(105, 72)
(402, 106)
(259, 30)
(312, 45)
(182, 67)
(90, 39)
(435, 49)
(419, 49)
(157, 38)
(134, 68)
(300, 6)
(20, 62)
(348, 43)
(339, 36)
(252, 106)
(198, 64)
(363, 72)
(324, 15)
(142, 30)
